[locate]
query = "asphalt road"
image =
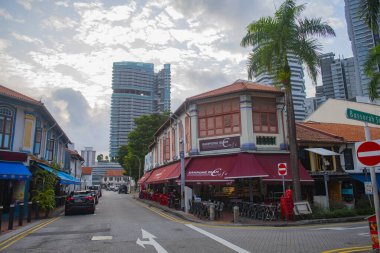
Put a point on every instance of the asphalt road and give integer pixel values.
(122, 224)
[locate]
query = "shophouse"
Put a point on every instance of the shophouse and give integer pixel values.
(86, 178)
(114, 178)
(232, 140)
(74, 163)
(30, 139)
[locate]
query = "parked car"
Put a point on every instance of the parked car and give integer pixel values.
(96, 188)
(80, 201)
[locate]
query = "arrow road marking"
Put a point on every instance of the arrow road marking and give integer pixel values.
(218, 239)
(150, 241)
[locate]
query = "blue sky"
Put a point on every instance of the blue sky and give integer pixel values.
(61, 52)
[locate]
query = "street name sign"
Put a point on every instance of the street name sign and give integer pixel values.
(368, 153)
(282, 171)
(362, 116)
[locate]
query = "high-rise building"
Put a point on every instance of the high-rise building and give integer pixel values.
(137, 91)
(338, 78)
(298, 86)
(362, 40)
(89, 156)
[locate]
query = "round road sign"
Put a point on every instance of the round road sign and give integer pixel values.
(368, 153)
(282, 169)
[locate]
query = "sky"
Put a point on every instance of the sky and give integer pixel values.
(61, 52)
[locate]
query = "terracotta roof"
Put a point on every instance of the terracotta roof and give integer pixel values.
(114, 173)
(86, 170)
(349, 133)
(306, 134)
(16, 95)
(75, 154)
(238, 85)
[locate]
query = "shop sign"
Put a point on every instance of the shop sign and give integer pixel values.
(218, 172)
(220, 143)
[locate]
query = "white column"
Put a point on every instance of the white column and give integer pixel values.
(247, 141)
(282, 141)
(194, 129)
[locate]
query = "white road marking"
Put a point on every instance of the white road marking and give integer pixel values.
(218, 239)
(150, 241)
(101, 237)
(339, 228)
(363, 234)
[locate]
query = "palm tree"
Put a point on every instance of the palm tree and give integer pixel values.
(370, 12)
(274, 39)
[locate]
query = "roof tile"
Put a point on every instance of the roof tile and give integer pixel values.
(14, 94)
(114, 173)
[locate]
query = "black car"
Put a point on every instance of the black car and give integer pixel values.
(80, 201)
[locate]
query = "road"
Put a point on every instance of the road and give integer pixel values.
(122, 224)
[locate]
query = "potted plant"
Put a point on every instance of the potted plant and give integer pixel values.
(44, 192)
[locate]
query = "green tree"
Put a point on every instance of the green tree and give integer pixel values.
(273, 39)
(139, 140)
(369, 11)
(121, 153)
(44, 182)
(99, 157)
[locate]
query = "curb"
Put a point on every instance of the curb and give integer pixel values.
(278, 224)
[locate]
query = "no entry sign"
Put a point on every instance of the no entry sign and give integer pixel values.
(282, 171)
(368, 153)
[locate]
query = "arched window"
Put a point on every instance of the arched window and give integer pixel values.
(6, 126)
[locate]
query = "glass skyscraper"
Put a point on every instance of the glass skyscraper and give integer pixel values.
(362, 40)
(137, 91)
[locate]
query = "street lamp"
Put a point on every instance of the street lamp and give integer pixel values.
(182, 157)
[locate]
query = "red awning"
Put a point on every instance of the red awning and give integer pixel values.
(210, 168)
(269, 162)
(144, 178)
(177, 172)
(247, 166)
(160, 175)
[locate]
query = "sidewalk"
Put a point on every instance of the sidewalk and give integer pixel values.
(5, 233)
(227, 219)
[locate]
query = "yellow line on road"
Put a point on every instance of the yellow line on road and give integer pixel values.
(347, 250)
(19, 236)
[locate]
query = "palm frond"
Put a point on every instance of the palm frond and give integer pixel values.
(374, 86)
(369, 11)
(373, 60)
(258, 32)
(260, 60)
(315, 26)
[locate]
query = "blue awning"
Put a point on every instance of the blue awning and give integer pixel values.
(14, 170)
(360, 177)
(64, 178)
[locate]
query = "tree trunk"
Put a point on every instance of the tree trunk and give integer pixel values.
(293, 144)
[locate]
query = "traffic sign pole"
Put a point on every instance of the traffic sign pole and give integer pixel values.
(283, 185)
(373, 181)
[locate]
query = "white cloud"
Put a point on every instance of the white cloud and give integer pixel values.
(25, 38)
(7, 16)
(27, 4)
(336, 23)
(58, 23)
(3, 44)
(62, 3)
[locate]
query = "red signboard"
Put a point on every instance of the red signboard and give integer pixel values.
(282, 171)
(368, 153)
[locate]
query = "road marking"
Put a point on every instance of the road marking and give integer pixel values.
(150, 241)
(218, 239)
(101, 237)
(351, 249)
(363, 234)
(339, 228)
(19, 236)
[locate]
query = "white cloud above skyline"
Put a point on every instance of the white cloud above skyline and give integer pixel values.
(51, 48)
